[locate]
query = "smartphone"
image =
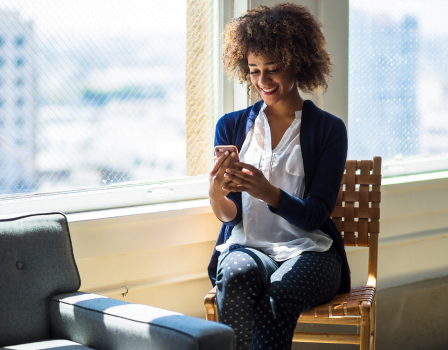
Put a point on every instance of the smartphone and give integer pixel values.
(220, 149)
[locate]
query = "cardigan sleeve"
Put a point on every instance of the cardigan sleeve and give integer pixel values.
(223, 136)
(312, 211)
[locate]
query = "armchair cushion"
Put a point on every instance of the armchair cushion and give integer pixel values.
(36, 262)
(104, 323)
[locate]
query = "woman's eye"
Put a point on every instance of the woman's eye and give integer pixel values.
(274, 70)
(253, 73)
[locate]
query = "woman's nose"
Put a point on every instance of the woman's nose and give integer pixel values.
(263, 79)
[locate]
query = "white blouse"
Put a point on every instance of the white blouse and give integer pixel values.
(283, 167)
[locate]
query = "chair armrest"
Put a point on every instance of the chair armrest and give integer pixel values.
(210, 306)
(103, 323)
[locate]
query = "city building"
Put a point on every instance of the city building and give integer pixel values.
(17, 103)
(383, 77)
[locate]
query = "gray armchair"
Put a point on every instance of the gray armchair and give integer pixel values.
(41, 308)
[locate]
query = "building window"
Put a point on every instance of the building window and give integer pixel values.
(20, 102)
(2, 102)
(2, 41)
(2, 122)
(19, 82)
(20, 61)
(20, 121)
(2, 62)
(19, 41)
(397, 75)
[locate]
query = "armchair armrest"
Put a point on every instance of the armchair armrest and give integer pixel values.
(103, 323)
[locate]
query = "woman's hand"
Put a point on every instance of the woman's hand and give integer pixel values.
(251, 180)
(217, 179)
(224, 209)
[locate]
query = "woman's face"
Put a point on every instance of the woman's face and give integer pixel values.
(272, 81)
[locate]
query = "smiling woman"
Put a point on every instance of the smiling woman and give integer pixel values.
(278, 252)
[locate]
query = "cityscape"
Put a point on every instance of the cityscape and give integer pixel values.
(83, 110)
(90, 110)
(398, 88)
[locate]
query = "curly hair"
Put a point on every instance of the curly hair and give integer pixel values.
(287, 32)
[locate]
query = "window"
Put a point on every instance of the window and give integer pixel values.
(114, 102)
(398, 84)
(2, 41)
(2, 62)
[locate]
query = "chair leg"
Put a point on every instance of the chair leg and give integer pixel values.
(373, 326)
(365, 326)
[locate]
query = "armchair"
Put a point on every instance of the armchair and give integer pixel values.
(41, 308)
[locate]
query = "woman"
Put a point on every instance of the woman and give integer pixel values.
(278, 253)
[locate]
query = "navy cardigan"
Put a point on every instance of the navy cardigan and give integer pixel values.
(323, 139)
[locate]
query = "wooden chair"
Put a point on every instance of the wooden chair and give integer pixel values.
(356, 215)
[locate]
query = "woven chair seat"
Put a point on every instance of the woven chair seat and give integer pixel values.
(347, 304)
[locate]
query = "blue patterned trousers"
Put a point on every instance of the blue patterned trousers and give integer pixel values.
(261, 299)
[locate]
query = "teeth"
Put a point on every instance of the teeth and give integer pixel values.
(269, 90)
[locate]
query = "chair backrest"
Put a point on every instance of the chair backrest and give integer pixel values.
(357, 210)
(36, 262)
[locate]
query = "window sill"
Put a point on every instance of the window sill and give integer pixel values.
(140, 213)
(125, 199)
(157, 200)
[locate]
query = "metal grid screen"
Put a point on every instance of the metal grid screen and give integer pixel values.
(94, 93)
(398, 79)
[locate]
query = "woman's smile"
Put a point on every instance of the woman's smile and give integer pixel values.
(270, 91)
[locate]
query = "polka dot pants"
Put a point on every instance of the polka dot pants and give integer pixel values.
(261, 299)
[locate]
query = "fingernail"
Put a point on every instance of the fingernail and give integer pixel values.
(226, 153)
(233, 153)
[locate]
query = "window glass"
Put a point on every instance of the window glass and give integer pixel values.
(398, 79)
(103, 92)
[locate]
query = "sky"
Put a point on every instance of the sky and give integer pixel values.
(109, 16)
(431, 13)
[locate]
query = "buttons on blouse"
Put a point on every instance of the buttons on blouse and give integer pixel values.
(19, 265)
